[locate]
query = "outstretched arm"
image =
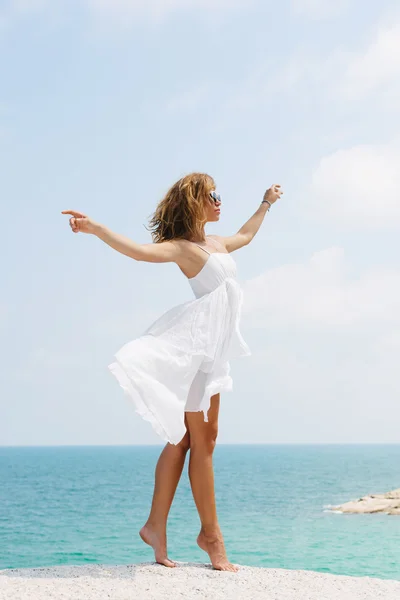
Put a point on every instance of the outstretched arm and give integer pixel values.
(162, 252)
(247, 232)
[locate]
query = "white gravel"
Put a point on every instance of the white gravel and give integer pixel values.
(149, 581)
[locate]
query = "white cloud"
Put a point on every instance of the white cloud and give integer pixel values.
(319, 295)
(359, 187)
(319, 9)
(347, 75)
(327, 343)
(335, 82)
(356, 95)
(375, 67)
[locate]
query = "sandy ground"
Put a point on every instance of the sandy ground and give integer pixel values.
(188, 581)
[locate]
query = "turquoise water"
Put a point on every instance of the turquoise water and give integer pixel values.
(74, 505)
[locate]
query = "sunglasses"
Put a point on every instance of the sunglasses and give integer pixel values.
(216, 197)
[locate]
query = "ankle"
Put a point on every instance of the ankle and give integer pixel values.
(212, 531)
(156, 524)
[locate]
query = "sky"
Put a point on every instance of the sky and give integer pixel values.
(104, 104)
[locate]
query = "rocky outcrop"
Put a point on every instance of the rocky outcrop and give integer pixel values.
(388, 503)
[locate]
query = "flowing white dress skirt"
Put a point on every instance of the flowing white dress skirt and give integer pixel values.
(182, 359)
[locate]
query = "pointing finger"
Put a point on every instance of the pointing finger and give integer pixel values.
(74, 213)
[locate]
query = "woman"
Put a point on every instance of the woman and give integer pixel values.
(174, 373)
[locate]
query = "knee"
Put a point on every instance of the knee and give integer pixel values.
(212, 435)
(206, 442)
(184, 444)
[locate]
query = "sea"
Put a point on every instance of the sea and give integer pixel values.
(73, 505)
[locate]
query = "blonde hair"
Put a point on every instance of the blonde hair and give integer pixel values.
(181, 213)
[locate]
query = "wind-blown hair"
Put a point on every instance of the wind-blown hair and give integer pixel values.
(181, 213)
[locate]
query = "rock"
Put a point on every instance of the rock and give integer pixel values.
(187, 581)
(387, 503)
(395, 494)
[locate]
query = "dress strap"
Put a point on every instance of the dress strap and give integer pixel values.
(201, 248)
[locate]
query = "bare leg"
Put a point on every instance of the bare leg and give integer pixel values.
(168, 472)
(202, 442)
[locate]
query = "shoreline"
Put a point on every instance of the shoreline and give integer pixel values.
(189, 581)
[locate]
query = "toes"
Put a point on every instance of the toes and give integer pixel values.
(227, 567)
(167, 563)
(233, 568)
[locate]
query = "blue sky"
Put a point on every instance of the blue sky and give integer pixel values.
(104, 104)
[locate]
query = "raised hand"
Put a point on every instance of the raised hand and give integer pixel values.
(80, 222)
(273, 193)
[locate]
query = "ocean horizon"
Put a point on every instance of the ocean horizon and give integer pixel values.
(85, 504)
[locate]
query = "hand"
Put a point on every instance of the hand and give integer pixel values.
(80, 222)
(273, 193)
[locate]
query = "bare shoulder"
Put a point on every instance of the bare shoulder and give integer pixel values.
(232, 242)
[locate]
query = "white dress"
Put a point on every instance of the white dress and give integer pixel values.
(182, 359)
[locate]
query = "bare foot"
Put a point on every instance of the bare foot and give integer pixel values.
(214, 545)
(158, 541)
